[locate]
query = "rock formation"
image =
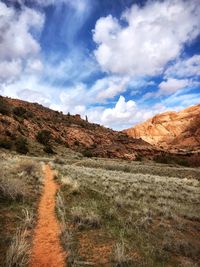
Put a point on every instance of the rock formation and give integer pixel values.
(171, 130)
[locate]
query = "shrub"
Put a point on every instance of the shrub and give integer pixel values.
(19, 250)
(43, 137)
(21, 145)
(86, 218)
(19, 111)
(48, 149)
(138, 157)
(5, 143)
(87, 153)
(4, 106)
(76, 143)
(167, 159)
(12, 189)
(120, 256)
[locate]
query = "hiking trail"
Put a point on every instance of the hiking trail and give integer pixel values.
(46, 250)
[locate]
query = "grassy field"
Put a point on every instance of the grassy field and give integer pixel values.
(111, 212)
(119, 213)
(20, 187)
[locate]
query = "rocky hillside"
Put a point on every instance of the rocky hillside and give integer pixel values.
(32, 128)
(171, 129)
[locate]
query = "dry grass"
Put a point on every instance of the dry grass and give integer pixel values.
(120, 257)
(20, 185)
(19, 250)
(83, 217)
(145, 202)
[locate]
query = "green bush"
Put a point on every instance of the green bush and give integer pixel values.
(22, 113)
(4, 106)
(5, 143)
(21, 145)
(76, 143)
(167, 159)
(48, 149)
(19, 111)
(87, 153)
(43, 137)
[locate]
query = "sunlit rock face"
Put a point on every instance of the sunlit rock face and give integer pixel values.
(171, 129)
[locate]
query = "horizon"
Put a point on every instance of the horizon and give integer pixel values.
(119, 63)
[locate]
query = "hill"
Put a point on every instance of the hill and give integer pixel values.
(34, 129)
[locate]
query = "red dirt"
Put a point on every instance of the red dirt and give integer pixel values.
(47, 251)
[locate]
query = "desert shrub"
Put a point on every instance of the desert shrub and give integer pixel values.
(167, 159)
(19, 250)
(138, 157)
(76, 143)
(21, 145)
(19, 111)
(162, 159)
(43, 137)
(87, 153)
(4, 106)
(12, 189)
(59, 160)
(85, 218)
(28, 167)
(48, 149)
(120, 256)
(5, 143)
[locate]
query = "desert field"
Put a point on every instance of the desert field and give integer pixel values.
(111, 212)
(119, 213)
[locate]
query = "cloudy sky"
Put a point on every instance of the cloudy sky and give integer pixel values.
(117, 61)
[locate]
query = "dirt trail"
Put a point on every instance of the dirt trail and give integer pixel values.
(47, 251)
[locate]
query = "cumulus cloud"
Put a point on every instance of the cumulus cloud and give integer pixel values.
(154, 35)
(17, 44)
(185, 67)
(123, 115)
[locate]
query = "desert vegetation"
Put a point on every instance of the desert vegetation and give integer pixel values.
(20, 186)
(117, 213)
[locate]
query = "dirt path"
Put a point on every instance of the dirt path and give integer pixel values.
(47, 251)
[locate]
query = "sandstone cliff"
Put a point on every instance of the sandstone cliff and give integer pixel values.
(171, 129)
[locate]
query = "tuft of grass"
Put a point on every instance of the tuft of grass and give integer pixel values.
(85, 218)
(13, 189)
(19, 250)
(120, 256)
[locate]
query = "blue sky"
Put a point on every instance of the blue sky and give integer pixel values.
(119, 61)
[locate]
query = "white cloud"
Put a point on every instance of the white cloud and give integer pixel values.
(123, 115)
(34, 66)
(108, 87)
(16, 39)
(154, 35)
(10, 70)
(185, 68)
(17, 44)
(172, 85)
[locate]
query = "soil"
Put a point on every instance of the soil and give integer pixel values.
(47, 251)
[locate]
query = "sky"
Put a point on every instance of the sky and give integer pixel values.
(117, 61)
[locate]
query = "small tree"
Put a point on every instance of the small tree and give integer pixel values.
(86, 118)
(43, 137)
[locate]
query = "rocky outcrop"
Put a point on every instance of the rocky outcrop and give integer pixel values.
(171, 129)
